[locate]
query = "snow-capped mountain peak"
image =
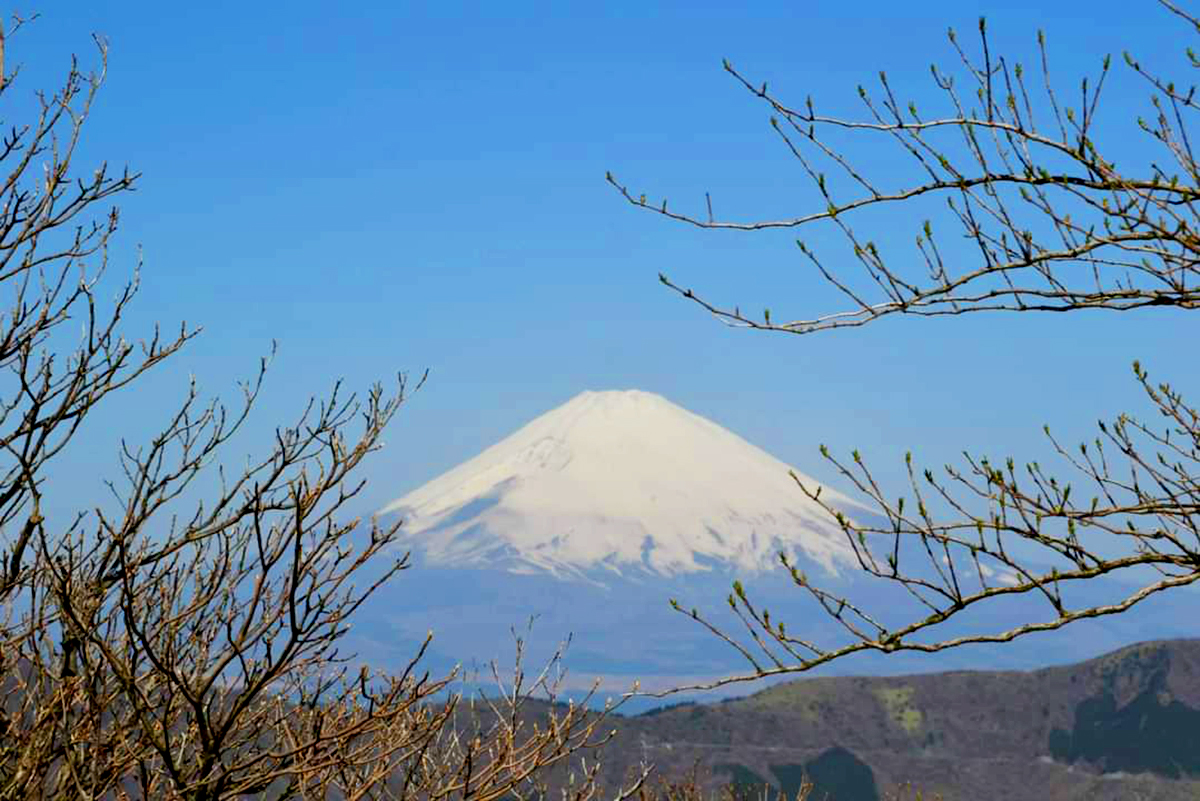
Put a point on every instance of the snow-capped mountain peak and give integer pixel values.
(620, 481)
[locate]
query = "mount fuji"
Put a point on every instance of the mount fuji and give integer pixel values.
(623, 483)
(590, 517)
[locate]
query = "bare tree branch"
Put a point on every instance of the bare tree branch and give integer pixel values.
(184, 640)
(1055, 227)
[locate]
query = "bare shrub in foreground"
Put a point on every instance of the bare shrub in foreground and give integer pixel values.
(174, 648)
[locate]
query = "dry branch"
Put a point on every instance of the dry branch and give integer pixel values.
(1054, 226)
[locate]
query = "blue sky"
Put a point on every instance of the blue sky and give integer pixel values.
(393, 186)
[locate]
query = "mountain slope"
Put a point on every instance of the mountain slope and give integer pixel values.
(614, 481)
(1124, 725)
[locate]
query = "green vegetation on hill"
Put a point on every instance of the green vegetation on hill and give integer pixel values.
(1124, 723)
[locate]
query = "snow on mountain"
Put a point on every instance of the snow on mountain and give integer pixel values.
(621, 481)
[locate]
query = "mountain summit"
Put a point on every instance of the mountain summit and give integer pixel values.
(621, 482)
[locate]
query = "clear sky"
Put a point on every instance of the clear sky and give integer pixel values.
(395, 186)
